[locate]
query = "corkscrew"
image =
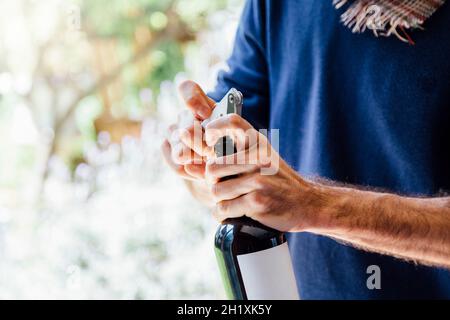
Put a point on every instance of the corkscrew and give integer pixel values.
(231, 103)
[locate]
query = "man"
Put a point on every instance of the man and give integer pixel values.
(352, 108)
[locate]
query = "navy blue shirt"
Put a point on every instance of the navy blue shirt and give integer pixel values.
(355, 109)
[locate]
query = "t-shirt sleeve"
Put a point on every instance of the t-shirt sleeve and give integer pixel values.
(248, 71)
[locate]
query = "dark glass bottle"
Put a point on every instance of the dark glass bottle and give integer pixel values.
(254, 260)
(242, 237)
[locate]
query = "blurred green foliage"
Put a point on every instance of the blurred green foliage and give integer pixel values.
(120, 20)
(101, 74)
(168, 26)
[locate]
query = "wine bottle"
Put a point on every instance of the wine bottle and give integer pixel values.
(254, 260)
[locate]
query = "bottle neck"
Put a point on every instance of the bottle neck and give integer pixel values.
(249, 222)
(244, 235)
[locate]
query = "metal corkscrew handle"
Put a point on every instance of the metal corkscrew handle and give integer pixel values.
(231, 103)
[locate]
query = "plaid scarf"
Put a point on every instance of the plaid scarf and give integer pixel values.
(387, 17)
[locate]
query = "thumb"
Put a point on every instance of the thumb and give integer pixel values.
(196, 100)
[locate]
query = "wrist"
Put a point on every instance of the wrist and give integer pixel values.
(312, 204)
(327, 209)
(343, 210)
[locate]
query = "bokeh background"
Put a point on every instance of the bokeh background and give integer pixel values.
(88, 209)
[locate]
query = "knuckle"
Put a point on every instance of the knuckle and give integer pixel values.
(259, 201)
(255, 198)
(258, 181)
(234, 120)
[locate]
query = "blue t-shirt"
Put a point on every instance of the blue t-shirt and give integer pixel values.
(352, 108)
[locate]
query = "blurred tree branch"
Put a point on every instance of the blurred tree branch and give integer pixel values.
(175, 30)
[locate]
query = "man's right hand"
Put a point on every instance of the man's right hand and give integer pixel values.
(185, 149)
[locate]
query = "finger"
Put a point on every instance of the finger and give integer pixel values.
(195, 170)
(196, 100)
(245, 161)
(192, 136)
(233, 125)
(235, 208)
(236, 187)
(167, 155)
(182, 154)
(185, 118)
(173, 134)
(260, 154)
(229, 209)
(215, 171)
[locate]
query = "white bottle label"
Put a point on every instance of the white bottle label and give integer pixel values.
(268, 274)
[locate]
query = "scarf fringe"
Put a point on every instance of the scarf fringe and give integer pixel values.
(387, 17)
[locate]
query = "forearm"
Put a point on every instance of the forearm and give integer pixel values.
(410, 228)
